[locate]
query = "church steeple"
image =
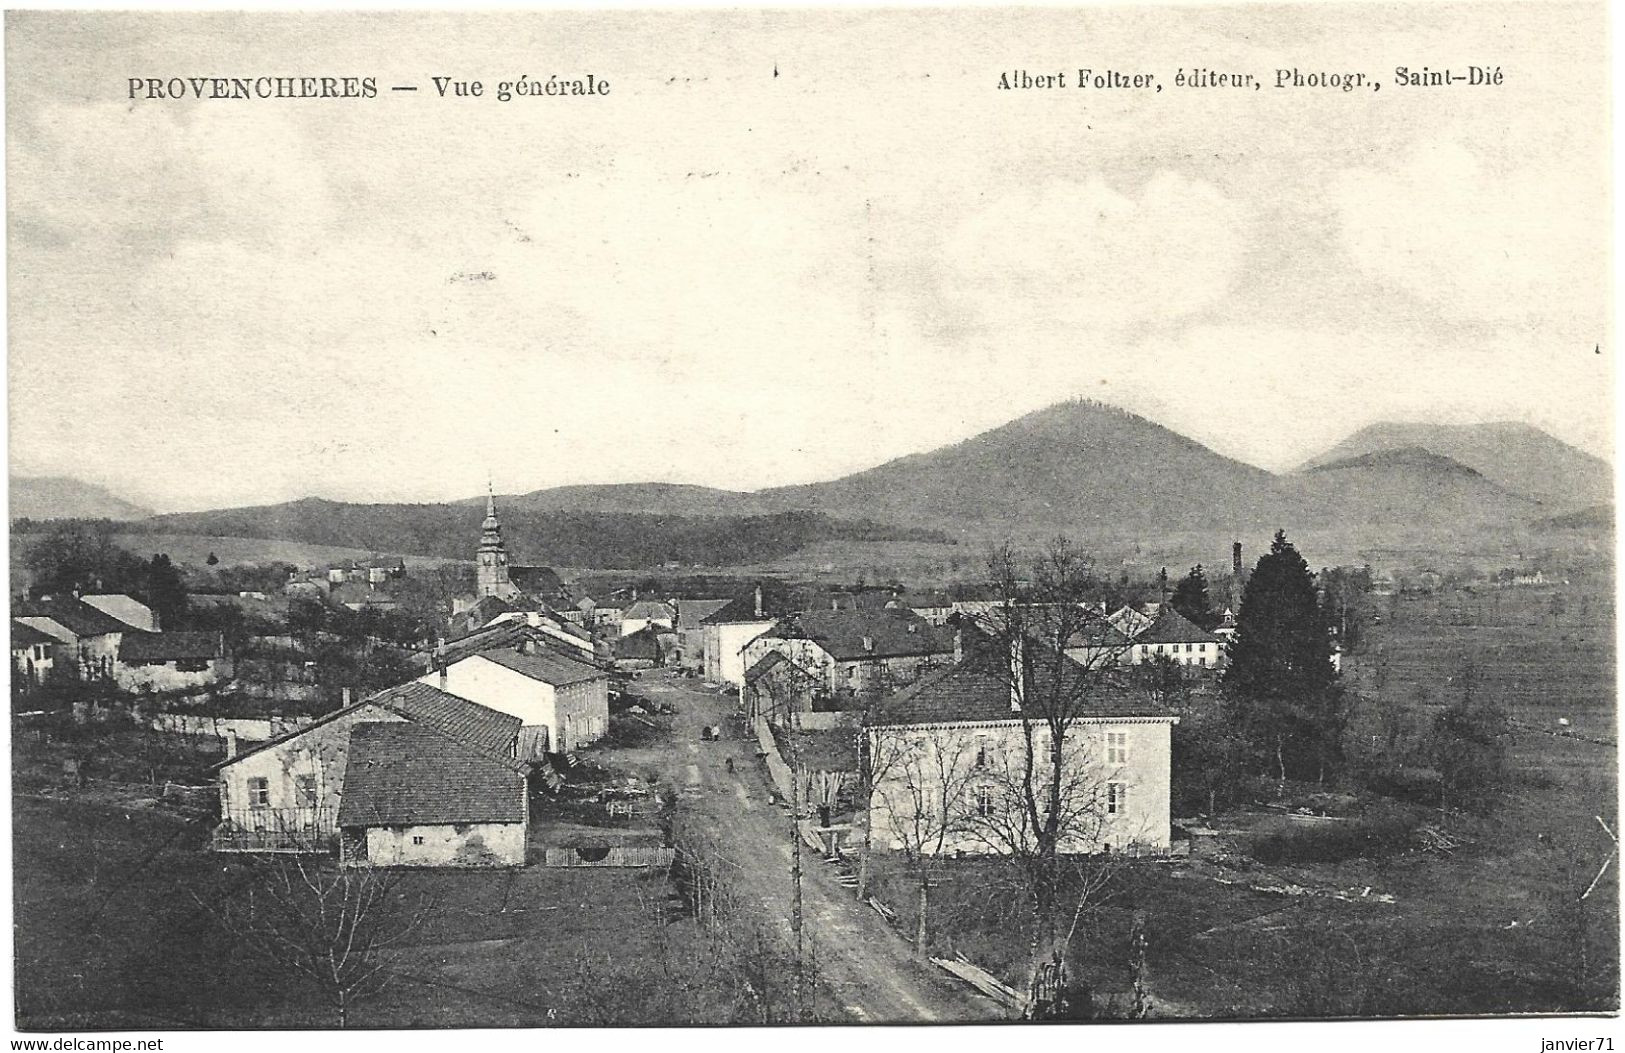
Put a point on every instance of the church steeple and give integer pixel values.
(491, 572)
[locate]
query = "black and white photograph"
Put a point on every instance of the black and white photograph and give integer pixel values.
(818, 517)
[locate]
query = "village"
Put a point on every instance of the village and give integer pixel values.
(879, 800)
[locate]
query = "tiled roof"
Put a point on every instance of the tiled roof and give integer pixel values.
(486, 608)
(406, 774)
(502, 634)
(543, 582)
(769, 662)
(653, 610)
(645, 643)
(468, 722)
(968, 693)
(168, 647)
(775, 604)
(1173, 627)
(690, 613)
(27, 636)
(544, 664)
(888, 633)
(831, 749)
(1099, 634)
(73, 614)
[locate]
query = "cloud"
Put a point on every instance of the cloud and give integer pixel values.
(1477, 244)
(1072, 256)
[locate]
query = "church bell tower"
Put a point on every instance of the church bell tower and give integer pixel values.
(491, 573)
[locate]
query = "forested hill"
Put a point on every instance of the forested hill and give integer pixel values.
(572, 539)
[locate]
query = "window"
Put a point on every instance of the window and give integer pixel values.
(1116, 798)
(981, 754)
(417, 840)
(1116, 747)
(191, 665)
(259, 793)
(305, 786)
(984, 800)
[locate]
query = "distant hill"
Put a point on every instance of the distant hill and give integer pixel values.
(653, 498)
(573, 539)
(1519, 458)
(1411, 485)
(1077, 466)
(1597, 517)
(60, 497)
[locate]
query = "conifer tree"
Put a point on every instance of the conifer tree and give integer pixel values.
(1191, 598)
(1280, 681)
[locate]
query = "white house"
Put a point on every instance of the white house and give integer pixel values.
(727, 631)
(1177, 638)
(285, 795)
(88, 638)
(562, 701)
(950, 750)
(856, 652)
(32, 655)
(641, 614)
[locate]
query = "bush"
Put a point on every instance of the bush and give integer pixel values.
(1335, 842)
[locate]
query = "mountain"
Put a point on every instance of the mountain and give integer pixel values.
(1517, 457)
(597, 539)
(1409, 485)
(59, 497)
(1077, 466)
(653, 498)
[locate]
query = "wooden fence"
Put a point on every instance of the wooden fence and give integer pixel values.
(613, 856)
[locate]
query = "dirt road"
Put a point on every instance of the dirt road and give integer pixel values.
(873, 971)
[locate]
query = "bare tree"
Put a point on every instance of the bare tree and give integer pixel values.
(926, 795)
(339, 929)
(1052, 801)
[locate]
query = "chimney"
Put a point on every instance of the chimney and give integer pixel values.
(634, 594)
(231, 744)
(959, 645)
(868, 643)
(758, 599)
(440, 660)
(344, 698)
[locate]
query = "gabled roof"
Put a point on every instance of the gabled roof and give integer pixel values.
(690, 613)
(544, 664)
(1099, 634)
(771, 661)
(27, 636)
(1173, 627)
(850, 635)
(73, 614)
(970, 693)
(742, 609)
(414, 702)
(543, 582)
(468, 722)
(169, 647)
(645, 643)
(406, 774)
(653, 610)
(486, 608)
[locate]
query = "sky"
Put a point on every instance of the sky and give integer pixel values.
(786, 246)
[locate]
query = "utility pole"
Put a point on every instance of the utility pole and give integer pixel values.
(794, 725)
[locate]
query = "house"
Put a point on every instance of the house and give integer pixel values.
(1129, 621)
(1100, 643)
(32, 655)
(284, 795)
(568, 635)
(359, 596)
(480, 613)
(728, 629)
(131, 612)
(934, 607)
(639, 650)
(640, 614)
(857, 651)
(561, 700)
(951, 748)
(862, 598)
(383, 568)
(417, 796)
(1176, 637)
(171, 661)
(88, 639)
(691, 615)
(775, 687)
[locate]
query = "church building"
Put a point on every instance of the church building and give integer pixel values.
(495, 577)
